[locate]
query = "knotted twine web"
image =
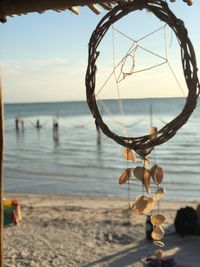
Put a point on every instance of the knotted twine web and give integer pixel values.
(143, 145)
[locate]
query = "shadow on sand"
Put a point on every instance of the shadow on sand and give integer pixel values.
(185, 252)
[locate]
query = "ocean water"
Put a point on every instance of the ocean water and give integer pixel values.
(74, 163)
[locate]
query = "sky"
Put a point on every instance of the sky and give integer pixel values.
(43, 57)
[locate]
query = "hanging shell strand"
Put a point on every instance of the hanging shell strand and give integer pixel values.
(144, 204)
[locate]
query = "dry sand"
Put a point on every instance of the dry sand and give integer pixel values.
(89, 231)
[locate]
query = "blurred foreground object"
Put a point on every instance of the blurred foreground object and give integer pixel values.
(186, 222)
(12, 212)
(158, 260)
(23, 7)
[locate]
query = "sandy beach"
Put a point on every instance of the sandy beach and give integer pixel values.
(90, 231)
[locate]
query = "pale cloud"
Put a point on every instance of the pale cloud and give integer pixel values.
(55, 79)
(43, 80)
(15, 66)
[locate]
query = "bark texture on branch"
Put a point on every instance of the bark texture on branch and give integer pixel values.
(20, 7)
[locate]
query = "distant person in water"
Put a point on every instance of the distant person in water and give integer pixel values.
(22, 124)
(55, 125)
(55, 131)
(38, 125)
(17, 124)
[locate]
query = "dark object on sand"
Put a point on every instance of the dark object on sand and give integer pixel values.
(148, 228)
(164, 262)
(186, 222)
(158, 260)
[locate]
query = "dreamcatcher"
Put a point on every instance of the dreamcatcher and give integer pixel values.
(143, 145)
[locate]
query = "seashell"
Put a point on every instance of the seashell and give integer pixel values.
(157, 220)
(126, 174)
(142, 204)
(159, 243)
(146, 162)
(129, 155)
(139, 204)
(157, 174)
(152, 133)
(149, 206)
(159, 194)
(144, 176)
(157, 233)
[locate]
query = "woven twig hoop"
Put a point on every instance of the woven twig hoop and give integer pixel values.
(144, 144)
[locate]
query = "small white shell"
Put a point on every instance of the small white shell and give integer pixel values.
(144, 176)
(129, 155)
(146, 162)
(142, 204)
(157, 174)
(157, 219)
(159, 194)
(125, 176)
(157, 233)
(159, 243)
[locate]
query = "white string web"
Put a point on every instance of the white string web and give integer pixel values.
(127, 67)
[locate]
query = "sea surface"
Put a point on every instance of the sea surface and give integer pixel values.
(75, 161)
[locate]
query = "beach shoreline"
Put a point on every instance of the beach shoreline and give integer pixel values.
(71, 230)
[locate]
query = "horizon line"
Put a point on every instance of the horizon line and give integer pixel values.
(64, 101)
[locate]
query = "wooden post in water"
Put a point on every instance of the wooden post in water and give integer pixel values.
(1, 177)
